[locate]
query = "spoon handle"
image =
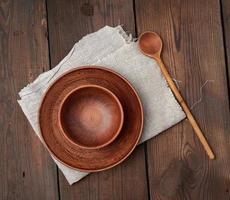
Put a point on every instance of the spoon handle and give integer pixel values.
(186, 109)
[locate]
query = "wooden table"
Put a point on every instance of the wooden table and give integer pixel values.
(36, 34)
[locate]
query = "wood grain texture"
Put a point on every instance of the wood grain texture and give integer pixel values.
(26, 169)
(68, 22)
(225, 6)
(193, 52)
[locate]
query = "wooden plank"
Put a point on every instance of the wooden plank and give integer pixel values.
(26, 169)
(193, 51)
(68, 22)
(225, 6)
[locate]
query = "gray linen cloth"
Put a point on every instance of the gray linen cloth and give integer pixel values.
(110, 47)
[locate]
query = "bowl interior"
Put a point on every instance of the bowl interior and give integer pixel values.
(91, 116)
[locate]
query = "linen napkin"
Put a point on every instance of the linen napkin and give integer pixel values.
(110, 47)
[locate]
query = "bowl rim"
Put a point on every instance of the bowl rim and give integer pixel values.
(121, 113)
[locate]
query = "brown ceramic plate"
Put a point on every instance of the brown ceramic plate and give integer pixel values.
(74, 156)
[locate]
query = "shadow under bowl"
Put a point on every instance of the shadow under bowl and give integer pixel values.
(91, 116)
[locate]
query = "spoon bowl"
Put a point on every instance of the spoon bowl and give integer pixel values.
(150, 44)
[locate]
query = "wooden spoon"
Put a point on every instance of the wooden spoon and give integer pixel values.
(151, 44)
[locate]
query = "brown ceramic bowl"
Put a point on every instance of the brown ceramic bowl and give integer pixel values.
(91, 116)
